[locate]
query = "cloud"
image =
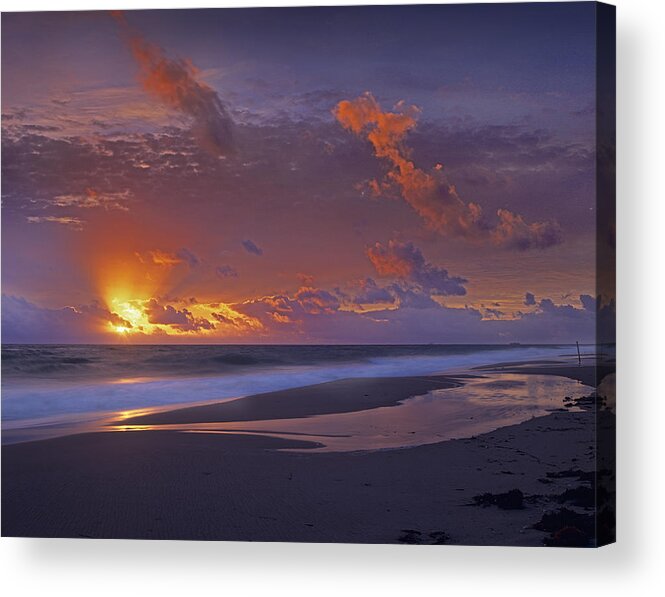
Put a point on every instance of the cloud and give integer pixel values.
(605, 314)
(400, 294)
(316, 300)
(405, 261)
(224, 319)
(70, 221)
(430, 194)
(226, 271)
(495, 313)
(97, 311)
(418, 319)
(183, 319)
(25, 322)
(529, 299)
(166, 315)
(282, 309)
(92, 199)
(313, 315)
(305, 279)
(176, 84)
(589, 302)
(251, 247)
(411, 297)
(513, 232)
(370, 293)
(186, 256)
(169, 259)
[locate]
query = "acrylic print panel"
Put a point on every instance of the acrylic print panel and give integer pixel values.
(339, 274)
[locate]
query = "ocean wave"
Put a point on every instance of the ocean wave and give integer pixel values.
(61, 380)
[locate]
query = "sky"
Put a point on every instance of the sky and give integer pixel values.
(418, 174)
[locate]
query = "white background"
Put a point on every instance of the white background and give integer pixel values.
(635, 565)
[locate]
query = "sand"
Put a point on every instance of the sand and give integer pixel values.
(587, 374)
(165, 485)
(345, 395)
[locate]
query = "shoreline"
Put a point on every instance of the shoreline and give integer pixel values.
(331, 397)
(589, 375)
(166, 485)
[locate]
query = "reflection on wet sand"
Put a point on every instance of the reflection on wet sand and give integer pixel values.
(480, 405)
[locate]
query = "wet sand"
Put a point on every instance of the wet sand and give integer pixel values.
(346, 395)
(587, 374)
(166, 485)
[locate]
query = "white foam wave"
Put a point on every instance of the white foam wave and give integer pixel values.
(28, 402)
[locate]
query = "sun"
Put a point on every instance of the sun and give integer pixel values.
(134, 317)
(120, 329)
(132, 312)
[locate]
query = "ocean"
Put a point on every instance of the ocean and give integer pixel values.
(75, 381)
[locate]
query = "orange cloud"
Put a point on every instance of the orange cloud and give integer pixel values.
(405, 262)
(166, 258)
(315, 300)
(92, 199)
(70, 221)
(177, 317)
(429, 193)
(175, 83)
(512, 230)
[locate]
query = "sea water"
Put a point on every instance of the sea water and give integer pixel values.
(46, 383)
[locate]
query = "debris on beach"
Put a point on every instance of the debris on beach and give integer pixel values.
(413, 537)
(510, 500)
(410, 537)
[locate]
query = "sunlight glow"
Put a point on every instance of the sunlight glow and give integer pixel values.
(133, 317)
(133, 313)
(119, 329)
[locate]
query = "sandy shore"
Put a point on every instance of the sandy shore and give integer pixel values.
(165, 485)
(345, 395)
(587, 374)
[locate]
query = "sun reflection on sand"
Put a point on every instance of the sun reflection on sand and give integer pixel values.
(139, 412)
(131, 428)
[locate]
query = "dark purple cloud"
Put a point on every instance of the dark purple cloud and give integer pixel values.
(226, 271)
(188, 257)
(166, 314)
(316, 300)
(182, 319)
(221, 318)
(25, 322)
(589, 302)
(251, 247)
(529, 299)
(370, 293)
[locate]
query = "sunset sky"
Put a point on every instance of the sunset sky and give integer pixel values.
(331, 175)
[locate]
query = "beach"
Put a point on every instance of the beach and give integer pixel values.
(531, 483)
